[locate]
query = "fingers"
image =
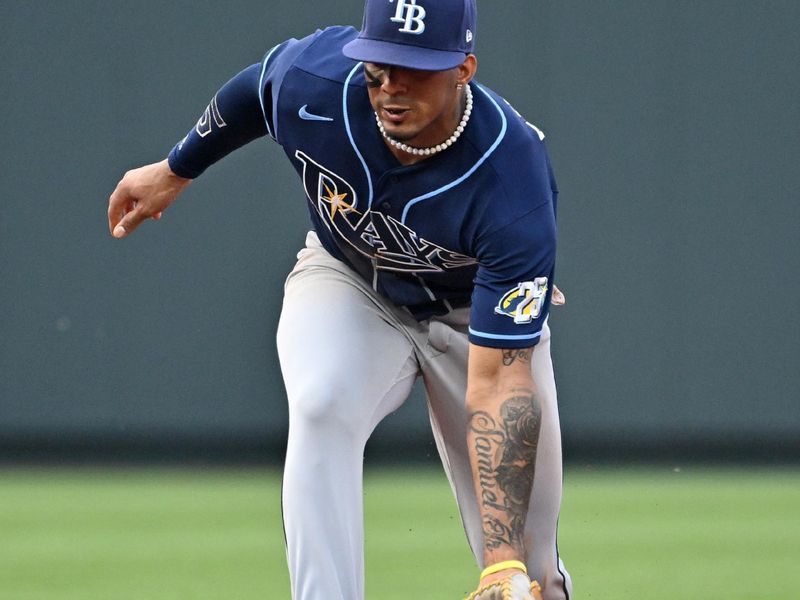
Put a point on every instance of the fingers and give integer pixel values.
(117, 207)
(129, 222)
(124, 214)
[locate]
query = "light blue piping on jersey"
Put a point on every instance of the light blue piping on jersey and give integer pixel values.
(261, 91)
(350, 133)
(474, 168)
(497, 336)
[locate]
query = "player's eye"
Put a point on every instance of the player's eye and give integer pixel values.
(376, 74)
(372, 80)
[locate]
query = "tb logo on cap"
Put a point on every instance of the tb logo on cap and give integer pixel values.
(411, 14)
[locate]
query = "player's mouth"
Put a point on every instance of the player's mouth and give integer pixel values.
(394, 114)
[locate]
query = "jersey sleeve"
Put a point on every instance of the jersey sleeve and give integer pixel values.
(232, 119)
(243, 110)
(513, 285)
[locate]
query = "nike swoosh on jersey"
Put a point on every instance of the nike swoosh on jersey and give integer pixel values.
(307, 116)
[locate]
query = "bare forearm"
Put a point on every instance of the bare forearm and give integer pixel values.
(503, 433)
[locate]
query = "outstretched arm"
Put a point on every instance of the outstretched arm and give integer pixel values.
(503, 432)
(232, 119)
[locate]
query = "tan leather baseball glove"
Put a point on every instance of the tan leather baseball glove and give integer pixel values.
(516, 585)
(513, 587)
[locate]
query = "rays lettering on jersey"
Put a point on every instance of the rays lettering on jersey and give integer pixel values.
(411, 14)
(204, 125)
(393, 245)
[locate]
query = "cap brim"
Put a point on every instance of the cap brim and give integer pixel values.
(402, 55)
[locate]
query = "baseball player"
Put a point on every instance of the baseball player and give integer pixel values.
(431, 254)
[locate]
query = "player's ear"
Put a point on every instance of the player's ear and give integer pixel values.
(466, 70)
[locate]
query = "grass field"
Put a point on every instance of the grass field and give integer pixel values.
(654, 534)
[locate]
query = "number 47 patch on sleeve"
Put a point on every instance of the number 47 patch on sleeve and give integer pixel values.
(524, 302)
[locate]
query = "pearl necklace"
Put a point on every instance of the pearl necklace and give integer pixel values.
(433, 149)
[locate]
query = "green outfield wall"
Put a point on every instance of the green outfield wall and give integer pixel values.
(673, 130)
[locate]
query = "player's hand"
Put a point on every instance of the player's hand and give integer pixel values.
(141, 194)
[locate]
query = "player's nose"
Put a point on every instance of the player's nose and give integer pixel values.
(394, 82)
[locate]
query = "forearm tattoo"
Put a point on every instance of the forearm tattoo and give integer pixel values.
(509, 356)
(506, 459)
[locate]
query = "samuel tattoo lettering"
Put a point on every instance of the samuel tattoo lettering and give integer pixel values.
(506, 459)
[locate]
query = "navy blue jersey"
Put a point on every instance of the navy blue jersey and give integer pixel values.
(473, 225)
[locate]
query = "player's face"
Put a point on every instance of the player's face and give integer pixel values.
(421, 108)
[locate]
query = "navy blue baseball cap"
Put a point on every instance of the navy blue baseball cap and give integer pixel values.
(430, 35)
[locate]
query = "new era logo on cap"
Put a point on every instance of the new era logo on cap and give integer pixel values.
(431, 35)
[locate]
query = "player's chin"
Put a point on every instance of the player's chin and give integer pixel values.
(402, 133)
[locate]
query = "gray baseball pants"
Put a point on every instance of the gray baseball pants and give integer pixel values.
(349, 358)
